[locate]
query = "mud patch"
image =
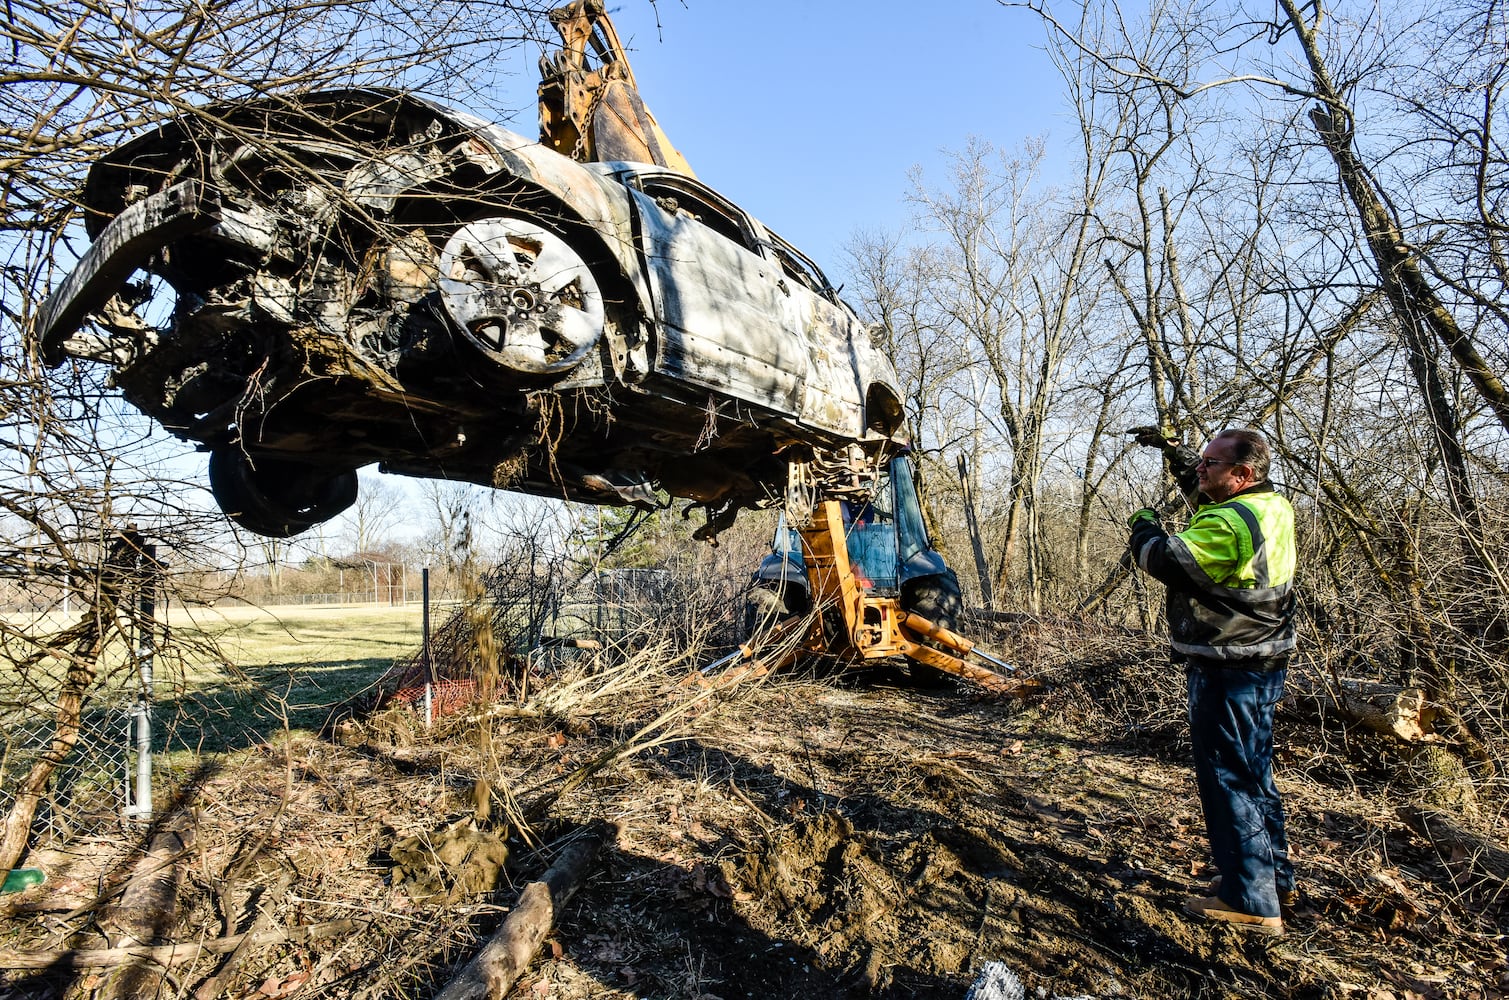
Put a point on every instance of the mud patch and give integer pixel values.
(450, 864)
(870, 904)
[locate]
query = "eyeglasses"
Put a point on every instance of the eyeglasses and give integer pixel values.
(1205, 462)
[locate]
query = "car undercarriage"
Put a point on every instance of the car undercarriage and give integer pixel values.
(363, 276)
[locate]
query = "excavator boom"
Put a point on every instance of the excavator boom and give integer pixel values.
(590, 108)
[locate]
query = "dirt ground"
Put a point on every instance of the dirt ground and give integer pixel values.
(794, 837)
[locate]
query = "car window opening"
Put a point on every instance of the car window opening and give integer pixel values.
(714, 217)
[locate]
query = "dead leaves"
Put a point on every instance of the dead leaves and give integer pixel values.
(277, 987)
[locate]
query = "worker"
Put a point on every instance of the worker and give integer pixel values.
(1231, 624)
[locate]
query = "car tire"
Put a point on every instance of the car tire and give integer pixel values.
(940, 600)
(769, 604)
(277, 498)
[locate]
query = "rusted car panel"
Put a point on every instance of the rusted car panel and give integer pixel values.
(365, 276)
(719, 309)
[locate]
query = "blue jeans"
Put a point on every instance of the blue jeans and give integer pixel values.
(1231, 729)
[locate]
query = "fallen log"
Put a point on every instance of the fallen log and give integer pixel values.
(1480, 863)
(147, 910)
(178, 953)
(149, 901)
(1387, 709)
(492, 971)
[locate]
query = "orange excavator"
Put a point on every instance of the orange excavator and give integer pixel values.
(812, 596)
(855, 616)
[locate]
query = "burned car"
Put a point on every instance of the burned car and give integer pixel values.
(308, 285)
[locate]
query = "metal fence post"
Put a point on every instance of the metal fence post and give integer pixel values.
(139, 794)
(429, 666)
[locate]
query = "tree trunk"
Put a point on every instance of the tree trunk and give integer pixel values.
(982, 569)
(15, 832)
(125, 565)
(1409, 292)
(494, 970)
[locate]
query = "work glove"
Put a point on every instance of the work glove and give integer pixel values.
(1145, 514)
(1162, 438)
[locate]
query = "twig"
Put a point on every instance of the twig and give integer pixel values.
(217, 983)
(656, 732)
(368, 908)
(167, 954)
(766, 820)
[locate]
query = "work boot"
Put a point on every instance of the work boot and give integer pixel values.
(1288, 899)
(1217, 909)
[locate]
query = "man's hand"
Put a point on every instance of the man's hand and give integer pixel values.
(1154, 437)
(1145, 514)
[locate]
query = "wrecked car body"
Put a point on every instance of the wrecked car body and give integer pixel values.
(364, 276)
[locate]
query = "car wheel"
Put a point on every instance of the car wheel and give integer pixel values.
(940, 600)
(277, 498)
(769, 604)
(521, 294)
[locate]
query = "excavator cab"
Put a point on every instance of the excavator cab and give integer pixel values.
(888, 548)
(870, 532)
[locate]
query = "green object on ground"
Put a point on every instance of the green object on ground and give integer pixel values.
(22, 878)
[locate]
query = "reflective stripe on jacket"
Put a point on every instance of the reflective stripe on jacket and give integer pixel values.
(1230, 576)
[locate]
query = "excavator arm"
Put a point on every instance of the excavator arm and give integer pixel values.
(590, 108)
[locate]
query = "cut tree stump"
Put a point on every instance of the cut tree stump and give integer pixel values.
(492, 971)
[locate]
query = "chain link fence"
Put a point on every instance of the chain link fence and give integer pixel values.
(95, 787)
(105, 776)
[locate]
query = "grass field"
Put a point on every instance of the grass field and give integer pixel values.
(278, 668)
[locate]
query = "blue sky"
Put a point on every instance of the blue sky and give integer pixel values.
(809, 114)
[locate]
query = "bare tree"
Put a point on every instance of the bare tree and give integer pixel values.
(1402, 266)
(78, 79)
(897, 286)
(1365, 331)
(452, 538)
(1014, 291)
(380, 506)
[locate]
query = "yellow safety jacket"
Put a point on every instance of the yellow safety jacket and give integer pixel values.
(1230, 576)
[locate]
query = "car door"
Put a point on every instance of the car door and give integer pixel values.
(719, 304)
(834, 398)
